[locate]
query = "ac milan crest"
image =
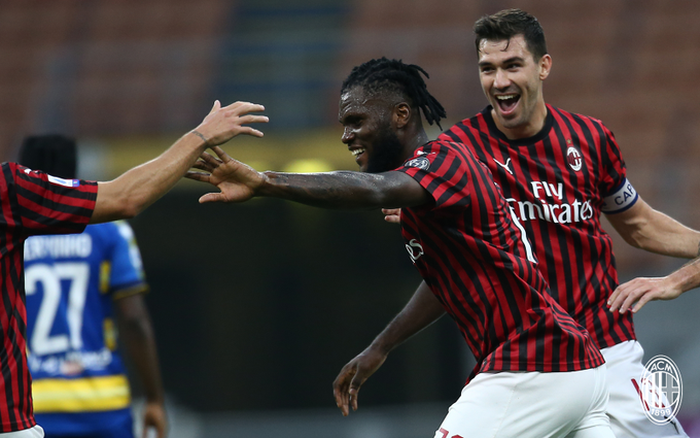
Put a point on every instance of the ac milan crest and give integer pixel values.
(574, 158)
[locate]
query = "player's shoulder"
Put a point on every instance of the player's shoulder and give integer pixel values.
(442, 150)
(470, 124)
(447, 146)
(578, 117)
(439, 146)
(11, 169)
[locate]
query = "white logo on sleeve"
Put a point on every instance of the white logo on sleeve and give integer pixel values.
(420, 162)
(415, 250)
(54, 179)
(63, 182)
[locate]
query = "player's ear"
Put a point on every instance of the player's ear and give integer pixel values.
(545, 66)
(401, 114)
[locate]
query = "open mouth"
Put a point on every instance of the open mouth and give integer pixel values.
(507, 102)
(357, 153)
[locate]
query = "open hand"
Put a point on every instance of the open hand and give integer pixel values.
(236, 181)
(634, 294)
(222, 124)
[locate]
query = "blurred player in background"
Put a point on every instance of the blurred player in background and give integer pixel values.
(77, 286)
(559, 172)
(469, 248)
(34, 203)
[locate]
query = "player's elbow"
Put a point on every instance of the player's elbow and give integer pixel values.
(126, 207)
(634, 230)
(131, 208)
(635, 239)
(111, 207)
(115, 201)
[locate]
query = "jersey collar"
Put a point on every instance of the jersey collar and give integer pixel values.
(494, 131)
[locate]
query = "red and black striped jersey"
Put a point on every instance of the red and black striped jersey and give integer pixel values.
(472, 252)
(31, 203)
(557, 183)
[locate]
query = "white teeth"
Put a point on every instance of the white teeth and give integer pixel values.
(507, 96)
(356, 152)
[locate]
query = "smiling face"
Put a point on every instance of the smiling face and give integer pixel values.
(512, 81)
(368, 131)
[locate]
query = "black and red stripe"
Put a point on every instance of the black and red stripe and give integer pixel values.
(29, 205)
(575, 257)
(475, 261)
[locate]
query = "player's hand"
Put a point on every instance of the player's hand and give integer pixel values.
(236, 181)
(392, 215)
(222, 124)
(154, 418)
(347, 385)
(634, 294)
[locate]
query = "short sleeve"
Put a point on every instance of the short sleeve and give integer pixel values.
(39, 203)
(443, 170)
(614, 170)
(126, 273)
(617, 192)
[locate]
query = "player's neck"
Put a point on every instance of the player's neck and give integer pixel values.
(413, 141)
(529, 128)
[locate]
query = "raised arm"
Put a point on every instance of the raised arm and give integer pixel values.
(422, 310)
(238, 182)
(643, 227)
(136, 189)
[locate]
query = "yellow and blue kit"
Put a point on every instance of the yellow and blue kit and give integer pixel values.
(79, 381)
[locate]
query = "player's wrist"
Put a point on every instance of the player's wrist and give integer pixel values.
(269, 182)
(201, 137)
(679, 282)
(380, 348)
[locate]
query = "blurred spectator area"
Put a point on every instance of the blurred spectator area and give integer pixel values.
(94, 68)
(98, 68)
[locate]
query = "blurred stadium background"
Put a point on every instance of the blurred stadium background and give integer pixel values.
(258, 306)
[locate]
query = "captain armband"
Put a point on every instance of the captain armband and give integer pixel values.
(622, 198)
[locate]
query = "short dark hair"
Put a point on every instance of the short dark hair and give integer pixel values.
(506, 24)
(53, 154)
(391, 75)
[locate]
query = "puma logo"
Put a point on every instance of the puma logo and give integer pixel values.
(505, 166)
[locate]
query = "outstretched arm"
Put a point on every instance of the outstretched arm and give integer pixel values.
(421, 311)
(634, 294)
(238, 182)
(643, 227)
(139, 341)
(130, 193)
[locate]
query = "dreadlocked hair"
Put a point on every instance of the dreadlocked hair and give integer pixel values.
(391, 75)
